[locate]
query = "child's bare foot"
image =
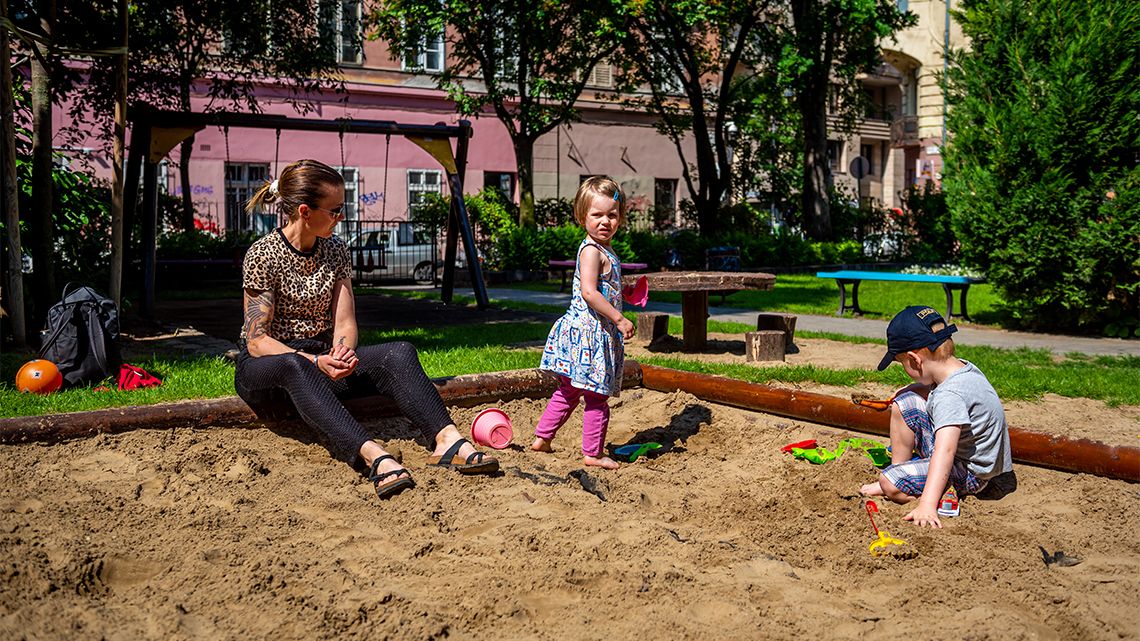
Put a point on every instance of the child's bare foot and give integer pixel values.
(541, 445)
(604, 462)
(872, 489)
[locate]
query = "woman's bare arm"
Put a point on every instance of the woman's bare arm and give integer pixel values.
(344, 315)
(259, 307)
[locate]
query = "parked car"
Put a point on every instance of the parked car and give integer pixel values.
(398, 252)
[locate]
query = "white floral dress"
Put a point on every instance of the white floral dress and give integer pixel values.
(584, 346)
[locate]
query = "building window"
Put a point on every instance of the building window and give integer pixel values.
(242, 180)
(670, 82)
(910, 94)
(835, 155)
(502, 181)
(506, 48)
(422, 182)
(340, 28)
(347, 226)
(427, 57)
(602, 75)
(903, 5)
(165, 176)
(868, 152)
(665, 195)
(832, 99)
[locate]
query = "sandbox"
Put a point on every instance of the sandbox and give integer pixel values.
(209, 533)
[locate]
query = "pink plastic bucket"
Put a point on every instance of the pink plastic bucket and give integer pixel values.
(492, 428)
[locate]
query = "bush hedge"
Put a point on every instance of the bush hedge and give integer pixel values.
(1042, 177)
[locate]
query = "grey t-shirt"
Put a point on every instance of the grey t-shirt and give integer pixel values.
(966, 398)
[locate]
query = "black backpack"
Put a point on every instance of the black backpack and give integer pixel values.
(82, 336)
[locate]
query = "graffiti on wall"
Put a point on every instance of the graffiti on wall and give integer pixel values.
(195, 190)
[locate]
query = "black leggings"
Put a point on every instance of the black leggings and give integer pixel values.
(265, 383)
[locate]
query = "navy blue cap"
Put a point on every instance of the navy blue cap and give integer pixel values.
(911, 329)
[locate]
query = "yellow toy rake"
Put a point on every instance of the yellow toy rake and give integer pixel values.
(885, 544)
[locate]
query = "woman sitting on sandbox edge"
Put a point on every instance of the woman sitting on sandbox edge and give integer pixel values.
(300, 336)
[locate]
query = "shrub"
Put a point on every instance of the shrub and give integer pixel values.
(491, 217)
(203, 244)
(649, 247)
(564, 240)
(553, 212)
(1030, 167)
(933, 239)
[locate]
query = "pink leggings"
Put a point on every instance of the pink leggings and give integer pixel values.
(595, 420)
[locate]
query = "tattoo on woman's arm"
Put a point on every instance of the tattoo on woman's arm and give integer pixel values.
(258, 313)
(340, 341)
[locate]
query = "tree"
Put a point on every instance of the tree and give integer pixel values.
(687, 56)
(529, 61)
(13, 281)
(44, 31)
(829, 44)
(228, 48)
(1042, 175)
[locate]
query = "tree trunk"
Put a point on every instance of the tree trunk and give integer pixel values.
(524, 159)
(117, 185)
(187, 219)
(707, 201)
(41, 217)
(11, 203)
(816, 170)
(811, 41)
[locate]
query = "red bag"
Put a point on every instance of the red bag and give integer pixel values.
(131, 377)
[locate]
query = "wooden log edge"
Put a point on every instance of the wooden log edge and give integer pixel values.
(1030, 447)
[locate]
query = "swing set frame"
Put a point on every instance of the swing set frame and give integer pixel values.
(154, 133)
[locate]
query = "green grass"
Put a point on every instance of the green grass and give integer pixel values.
(1021, 374)
(449, 351)
(197, 377)
(806, 294)
(444, 351)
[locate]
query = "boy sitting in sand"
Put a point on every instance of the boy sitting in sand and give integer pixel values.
(951, 417)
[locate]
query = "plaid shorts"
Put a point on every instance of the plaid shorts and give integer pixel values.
(910, 477)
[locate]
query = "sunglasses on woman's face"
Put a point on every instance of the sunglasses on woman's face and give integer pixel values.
(336, 212)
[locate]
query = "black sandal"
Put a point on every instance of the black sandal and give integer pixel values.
(477, 463)
(402, 481)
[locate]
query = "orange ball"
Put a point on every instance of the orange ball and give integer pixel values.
(39, 377)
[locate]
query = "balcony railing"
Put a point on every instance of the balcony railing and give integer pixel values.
(904, 131)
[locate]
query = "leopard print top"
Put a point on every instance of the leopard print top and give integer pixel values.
(302, 282)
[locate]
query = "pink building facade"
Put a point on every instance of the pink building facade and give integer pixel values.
(385, 178)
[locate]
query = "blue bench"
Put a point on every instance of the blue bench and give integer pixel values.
(853, 278)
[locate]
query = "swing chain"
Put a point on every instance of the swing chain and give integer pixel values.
(384, 194)
(276, 152)
(226, 133)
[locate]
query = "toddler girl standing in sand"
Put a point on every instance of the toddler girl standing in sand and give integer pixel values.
(586, 347)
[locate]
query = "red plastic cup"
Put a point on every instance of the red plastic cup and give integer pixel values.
(492, 428)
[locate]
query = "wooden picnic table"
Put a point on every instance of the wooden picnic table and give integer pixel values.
(695, 288)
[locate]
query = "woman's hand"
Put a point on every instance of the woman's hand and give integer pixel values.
(333, 367)
(344, 356)
(340, 361)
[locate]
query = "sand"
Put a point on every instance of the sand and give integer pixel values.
(259, 534)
